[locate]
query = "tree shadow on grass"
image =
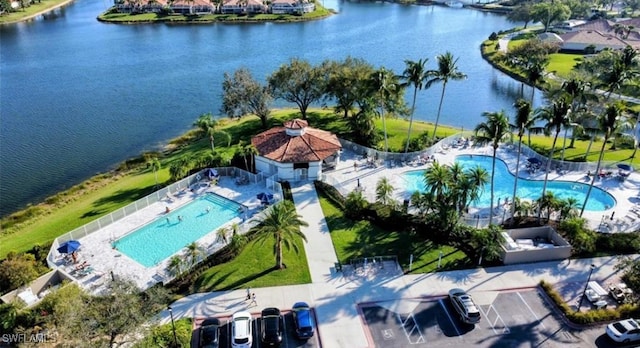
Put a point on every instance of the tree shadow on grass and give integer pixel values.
(129, 195)
(92, 213)
(235, 285)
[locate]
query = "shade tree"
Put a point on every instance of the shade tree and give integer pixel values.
(243, 95)
(298, 82)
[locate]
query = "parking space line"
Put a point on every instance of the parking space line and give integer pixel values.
(531, 310)
(505, 330)
(450, 319)
(414, 327)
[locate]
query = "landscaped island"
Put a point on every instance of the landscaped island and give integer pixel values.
(193, 11)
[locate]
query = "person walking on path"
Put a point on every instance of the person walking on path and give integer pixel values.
(253, 300)
(248, 294)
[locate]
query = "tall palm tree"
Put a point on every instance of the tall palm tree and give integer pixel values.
(609, 121)
(523, 120)
(383, 84)
(154, 164)
(616, 77)
(282, 224)
(207, 125)
(493, 131)
(447, 70)
(414, 74)
(556, 116)
(384, 191)
(194, 252)
(437, 178)
(535, 73)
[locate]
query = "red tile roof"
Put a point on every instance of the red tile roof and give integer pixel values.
(312, 145)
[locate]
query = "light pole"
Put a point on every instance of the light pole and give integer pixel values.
(585, 287)
(173, 326)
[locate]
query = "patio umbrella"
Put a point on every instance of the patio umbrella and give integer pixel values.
(534, 160)
(69, 247)
(625, 167)
(264, 197)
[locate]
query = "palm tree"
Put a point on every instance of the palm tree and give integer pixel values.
(557, 116)
(176, 265)
(194, 252)
(447, 70)
(493, 131)
(523, 121)
(384, 191)
(247, 150)
(282, 224)
(616, 77)
(535, 73)
(414, 74)
(609, 122)
(222, 233)
(154, 163)
(382, 83)
(436, 178)
(207, 125)
(568, 208)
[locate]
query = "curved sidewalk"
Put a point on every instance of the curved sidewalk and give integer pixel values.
(335, 296)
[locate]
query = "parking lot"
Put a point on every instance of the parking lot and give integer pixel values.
(519, 318)
(289, 339)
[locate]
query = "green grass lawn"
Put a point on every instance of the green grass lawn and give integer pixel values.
(106, 193)
(254, 268)
(358, 239)
(561, 64)
(38, 7)
(115, 17)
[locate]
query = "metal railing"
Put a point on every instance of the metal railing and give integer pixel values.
(154, 197)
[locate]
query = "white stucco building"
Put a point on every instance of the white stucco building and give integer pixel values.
(295, 151)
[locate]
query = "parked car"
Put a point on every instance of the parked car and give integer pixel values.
(271, 327)
(624, 331)
(209, 333)
(303, 320)
(464, 305)
(241, 332)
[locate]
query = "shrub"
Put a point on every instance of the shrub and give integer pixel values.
(619, 243)
(493, 36)
(592, 316)
(331, 192)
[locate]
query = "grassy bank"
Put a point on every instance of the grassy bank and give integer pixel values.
(42, 6)
(85, 202)
(111, 16)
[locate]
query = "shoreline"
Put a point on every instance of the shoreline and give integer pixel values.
(39, 13)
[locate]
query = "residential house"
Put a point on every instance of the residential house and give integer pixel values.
(243, 7)
(602, 34)
(291, 6)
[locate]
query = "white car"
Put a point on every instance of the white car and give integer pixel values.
(464, 305)
(241, 332)
(624, 331)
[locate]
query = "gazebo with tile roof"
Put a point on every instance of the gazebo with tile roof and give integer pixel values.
(296, 151)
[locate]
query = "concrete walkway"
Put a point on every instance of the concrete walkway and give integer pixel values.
(335, 296)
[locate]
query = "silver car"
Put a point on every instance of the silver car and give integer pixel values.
(464, 305)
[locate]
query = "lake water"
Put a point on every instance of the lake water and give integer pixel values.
(78, 96)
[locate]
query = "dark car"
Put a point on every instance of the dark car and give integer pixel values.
(271, 327)
(209, 333)
(303, 320)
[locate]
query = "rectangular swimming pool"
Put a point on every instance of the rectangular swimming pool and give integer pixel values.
(163, 237)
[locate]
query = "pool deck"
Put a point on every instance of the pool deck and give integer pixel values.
(103, 260)
(627, 193)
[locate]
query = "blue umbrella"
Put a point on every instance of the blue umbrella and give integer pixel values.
(625, 167)
(264, 197)
(69, 247)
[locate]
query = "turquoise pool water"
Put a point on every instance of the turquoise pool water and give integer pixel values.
(166, 235)
(599, 200)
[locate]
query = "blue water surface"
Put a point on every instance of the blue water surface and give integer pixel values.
(164, 236)
(599, 200)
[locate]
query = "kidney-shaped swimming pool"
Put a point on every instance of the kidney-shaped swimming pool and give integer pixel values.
(599, 200)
